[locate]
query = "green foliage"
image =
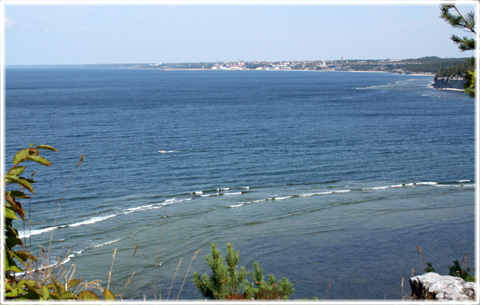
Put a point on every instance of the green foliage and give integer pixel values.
(451, 14)
(17, 257)
(469, 86)
(13, 210)
(429, 268)
(267, 290)
(430, 64)
(457, 270)
(227, 282)
(458, 69)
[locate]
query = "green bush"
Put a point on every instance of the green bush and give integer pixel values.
(38, 283)
(227, 282)
(456, 270)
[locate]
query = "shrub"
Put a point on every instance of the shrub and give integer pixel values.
(227, 282)
(457, 270)
(267, 290)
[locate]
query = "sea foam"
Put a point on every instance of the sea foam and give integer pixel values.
(93, 220)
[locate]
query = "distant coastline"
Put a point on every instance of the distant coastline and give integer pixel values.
(424, 66)
(427, 66)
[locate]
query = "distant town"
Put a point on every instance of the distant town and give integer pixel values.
(425, 65)
(318, 65)
(430, 65)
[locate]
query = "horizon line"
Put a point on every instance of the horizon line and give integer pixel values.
(229, 61)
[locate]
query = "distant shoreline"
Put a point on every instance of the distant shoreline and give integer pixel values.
(194, 69)
(423, 66)
(294, 70)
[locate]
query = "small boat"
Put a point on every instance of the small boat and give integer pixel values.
(161, 151)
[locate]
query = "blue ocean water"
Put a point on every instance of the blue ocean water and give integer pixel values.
(331, 179)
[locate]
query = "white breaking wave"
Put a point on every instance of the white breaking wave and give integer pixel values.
(229, 194)
(138, 208)
(376, 87)
(383, 187)
(315, 194)
(287, 197)
(456, 185)
(106, 243)
(423, 183)
(154, 206)
(222, 191)
(65, 260)
(283, 198)
(76, 253)
(236, 205)
(25, 234)
(170, 201)
(427, 183)
(209, 195)
(377, 188)
(93, 220)
(323, 193)
(259, 200)
(342, 191)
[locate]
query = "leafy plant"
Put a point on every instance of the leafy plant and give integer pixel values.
(31, 287)
(13, 209)
(457, 270)
(469, 86)
(227, 282)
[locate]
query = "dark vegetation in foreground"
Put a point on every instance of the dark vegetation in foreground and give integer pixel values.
(227, 282)
(27, 277)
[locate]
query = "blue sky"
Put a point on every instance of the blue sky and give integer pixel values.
(87, 34)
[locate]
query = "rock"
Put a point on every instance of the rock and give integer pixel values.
(451, 82)
(442, 287)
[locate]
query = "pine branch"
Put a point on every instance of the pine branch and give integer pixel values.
(464, 23)
(457, 20)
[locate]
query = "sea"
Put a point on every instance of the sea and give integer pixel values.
(345, 183)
